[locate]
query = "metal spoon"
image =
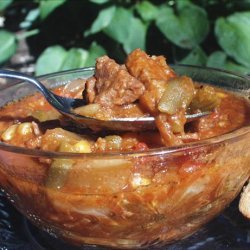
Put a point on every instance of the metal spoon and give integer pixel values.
(66, 107)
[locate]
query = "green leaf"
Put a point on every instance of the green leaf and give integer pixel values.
(8, 45)
(147, 10)
(119, 28)
(75, 58)
(51, 60)
(217, 60)
(56, 58)
(196, 57)
(102, 21)
(4, 4)
(237, 68)
(99, 1)
(48, 6)
(137, 36)
(188, 28)
(95, 51)
(233, 35)
(127, 30)
(27, 33)
(30, 18)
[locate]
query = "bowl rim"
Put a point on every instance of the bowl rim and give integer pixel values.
(224, 138)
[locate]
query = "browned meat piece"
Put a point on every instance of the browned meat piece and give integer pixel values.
(90, 88)
(165, 126)
(112, 84)
(153, 72)
(171, 128)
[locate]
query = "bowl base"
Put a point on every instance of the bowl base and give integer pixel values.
(228, 231)
(44, 241)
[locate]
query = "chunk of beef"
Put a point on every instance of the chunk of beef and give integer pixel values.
(112, 84)
(90, 89)
(166, 130)
(153, 72)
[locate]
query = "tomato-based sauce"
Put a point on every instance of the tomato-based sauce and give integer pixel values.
(126, 189)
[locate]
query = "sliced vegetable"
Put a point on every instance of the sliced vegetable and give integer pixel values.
(88, 110)
(47, 115)
(58, 173)
(64, 141)
(205, 99)
(178, 94)
(111, 142)
(9, 133)
(83, 146)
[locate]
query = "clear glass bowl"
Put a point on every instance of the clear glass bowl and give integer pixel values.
(129, 200)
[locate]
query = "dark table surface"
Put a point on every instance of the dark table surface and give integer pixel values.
(228, 231)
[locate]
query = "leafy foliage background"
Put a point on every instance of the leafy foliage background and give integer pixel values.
(66, 34)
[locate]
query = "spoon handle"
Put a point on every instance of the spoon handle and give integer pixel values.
(53, 99)
(4, 73)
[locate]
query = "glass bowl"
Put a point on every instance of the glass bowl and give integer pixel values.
(128, 200)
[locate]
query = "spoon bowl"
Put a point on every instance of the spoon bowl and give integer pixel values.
(67, 105)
